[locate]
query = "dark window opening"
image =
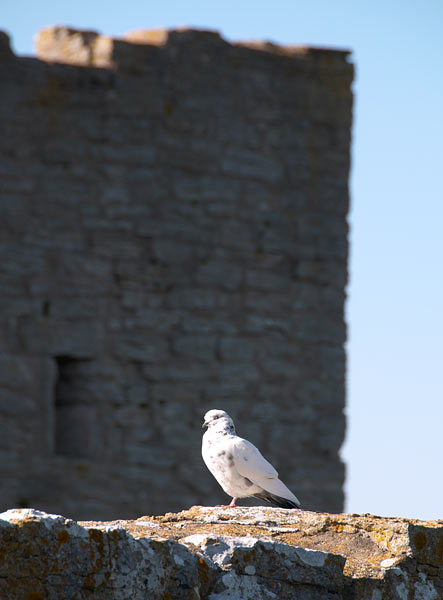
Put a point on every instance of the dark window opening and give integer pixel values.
(75, 414)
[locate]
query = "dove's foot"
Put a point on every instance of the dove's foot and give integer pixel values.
(232, 505)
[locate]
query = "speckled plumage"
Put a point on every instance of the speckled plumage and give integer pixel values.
(238, 466)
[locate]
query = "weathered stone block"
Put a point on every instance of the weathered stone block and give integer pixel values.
(81, 339)
(141, 346)
(242, 162)
(197, 299)
(13, 404)
(206, 189)
(199, 347)
(237, 348)
(220, 553)
(267, 281)
(169, 250)
(66, 45)
(239, 371)
(184, 370)
(219, 273)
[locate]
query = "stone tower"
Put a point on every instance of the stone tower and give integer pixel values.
(173, 239)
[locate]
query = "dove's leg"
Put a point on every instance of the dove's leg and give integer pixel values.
(232, 505)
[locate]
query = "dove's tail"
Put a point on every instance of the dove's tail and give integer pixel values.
(278, 500)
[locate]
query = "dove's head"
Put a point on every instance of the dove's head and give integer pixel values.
(218, 420)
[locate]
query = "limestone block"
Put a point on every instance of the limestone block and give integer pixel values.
(186, 370)
(199, 323)
(62, 44)
(127, 153)
(81, 339)
(140, 346)
(16, 405)
(157, 37)
(220, 273)
(176, 228)
(26, 402)
(159, 319)
(267, 280)
(89, 48)
(207, 189)
(255, 568)
(226, 391)
(17, 372)
(11, 434)
(267, 302)
(236, 234)
(104, 563)
(169, 250)
(75, 309)
(320, 327)
(80, 274)
(212, 553)
(246, 163)
(109, 52)
(236, 348)
(260, 324)
(238, 371)
(18, 262)
(281, 368)
(194, 298)
(157, 458)
(327, 272)
(199, 347)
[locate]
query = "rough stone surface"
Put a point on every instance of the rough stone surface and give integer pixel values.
(221, 554)
(173, 239)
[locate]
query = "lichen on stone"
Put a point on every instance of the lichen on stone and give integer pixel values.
(217, 553)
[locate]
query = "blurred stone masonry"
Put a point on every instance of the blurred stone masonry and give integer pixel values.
(173, 239)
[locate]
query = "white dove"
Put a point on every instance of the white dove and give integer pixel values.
(238, 465)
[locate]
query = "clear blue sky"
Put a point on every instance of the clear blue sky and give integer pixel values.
(394, 447)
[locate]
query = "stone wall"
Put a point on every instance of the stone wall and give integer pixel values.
(219, 554)
(173, 239)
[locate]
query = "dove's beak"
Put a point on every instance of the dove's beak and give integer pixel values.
(205, 424)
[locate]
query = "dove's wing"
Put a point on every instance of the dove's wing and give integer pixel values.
(250, 463)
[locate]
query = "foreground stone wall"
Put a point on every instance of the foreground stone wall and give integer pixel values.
(174, 239)
(210, 554)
